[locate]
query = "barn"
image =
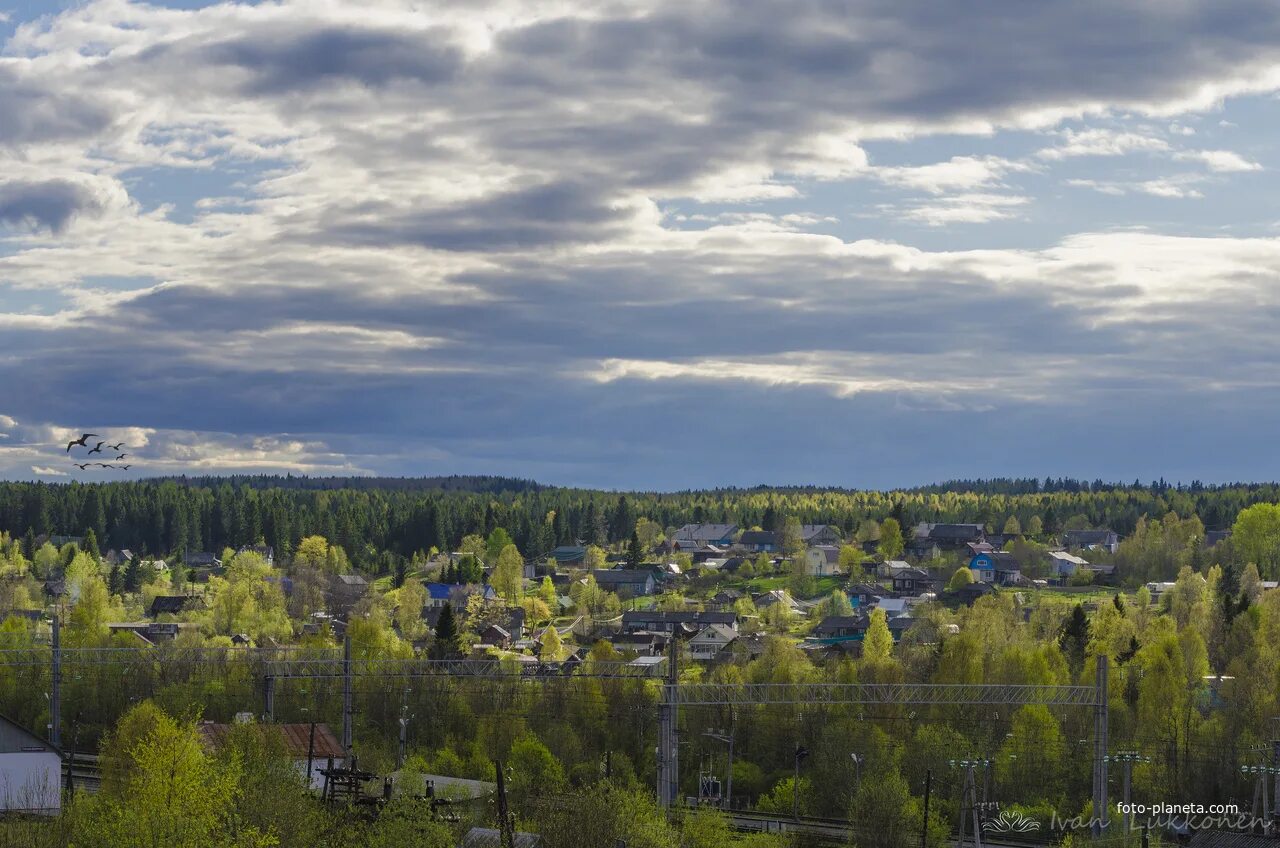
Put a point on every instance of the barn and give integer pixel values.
(30, 772)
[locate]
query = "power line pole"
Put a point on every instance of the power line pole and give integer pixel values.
(346, 695)
(269, 697)
(969, 802)
(801, 754)
(55, 687)
(404, 728)
(1100, 744)
(924, 823)
(506, 828)
(1127, 759)
(668, 754)
(1275, 794)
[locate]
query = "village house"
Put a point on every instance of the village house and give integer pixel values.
(950, 537)
(345, 591)
(1065, 564)
(153, 632)
(569, 556)
(663, 621)
(822, 560)
(757, 541)
(173, 604)
(642, 644)
(814, 535)
(701, 535)
(840, 628)
(626, 582)
(710, 641)
(999, 567)
(913, 581)
(1090, 540)
(865, 594)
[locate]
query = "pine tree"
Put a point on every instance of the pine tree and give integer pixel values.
(91, 545)
(133, 575)
(113, 579)
(446, 632)
(635, 554)
(1075, 637)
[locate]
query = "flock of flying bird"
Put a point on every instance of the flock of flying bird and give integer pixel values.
(83, 442)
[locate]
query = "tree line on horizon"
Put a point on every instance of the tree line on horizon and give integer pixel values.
(379, 527)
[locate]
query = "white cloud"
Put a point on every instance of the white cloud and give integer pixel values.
(974, 208)
(1180, 188)
(960, 173)
(1220, 161)
(48, 472)
(1103, 142)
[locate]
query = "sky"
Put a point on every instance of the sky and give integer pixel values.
(642, 244)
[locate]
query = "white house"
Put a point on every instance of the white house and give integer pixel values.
(822, 560)
(710, 641)
(30, 772)
(891, 567)
(1065, 564)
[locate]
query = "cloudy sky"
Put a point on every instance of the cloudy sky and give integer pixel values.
(643, 243)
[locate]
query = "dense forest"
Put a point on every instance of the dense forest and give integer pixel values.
(375, 520)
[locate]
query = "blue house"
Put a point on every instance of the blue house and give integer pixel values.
(998, 567)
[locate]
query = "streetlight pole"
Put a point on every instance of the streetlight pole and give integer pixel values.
(857, 772)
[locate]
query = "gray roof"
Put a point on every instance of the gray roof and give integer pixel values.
(705, 532)
(15, 738)
(621, 576)
(1089, 537)
(957, 532)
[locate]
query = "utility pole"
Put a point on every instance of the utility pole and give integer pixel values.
(55, 687)
(506, 830)
(924, 823)
(857, 772)
(969, 802)
(404, 728)
(346, 696)
(1261, 804)
(801, 754)
(1275, 794)
(1100, 744)
(668, 746)
(311, 750)
(269, 697)
(1127, 759)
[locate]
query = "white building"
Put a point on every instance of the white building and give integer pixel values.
(822, 560)
(30, 772)
(1065, 564)
(710, 641)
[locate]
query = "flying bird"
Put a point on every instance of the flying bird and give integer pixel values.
(116, 446)
(121, 456)
(125, 467)
(104, 465)
(81, 441)
(82, 467)
(98, 449)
